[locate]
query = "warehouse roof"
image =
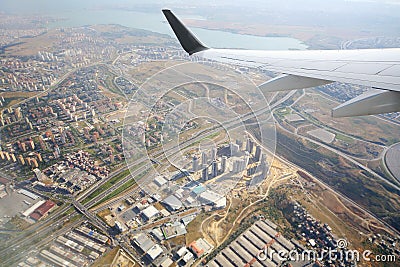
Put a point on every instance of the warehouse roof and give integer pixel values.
(150, 212)
(154, 252)
(144, 242)
(173, 202)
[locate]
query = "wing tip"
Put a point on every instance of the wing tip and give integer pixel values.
(186, 38)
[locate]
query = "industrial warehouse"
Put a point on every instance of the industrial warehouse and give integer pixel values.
(243, 250)
(77, 248)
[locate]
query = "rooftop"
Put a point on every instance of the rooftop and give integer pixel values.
(166, 263)
(154, 251)
(196, 249)
(199, 189)
(45, 207)
(210, 197)
(160, 181)
(150, 212)
(42, 210)
(144, 242)
(173, 202)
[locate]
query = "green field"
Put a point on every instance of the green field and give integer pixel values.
(106, 186)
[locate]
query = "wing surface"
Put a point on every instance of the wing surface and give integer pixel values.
(377, 68)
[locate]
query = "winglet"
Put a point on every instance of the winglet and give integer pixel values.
(187, 39)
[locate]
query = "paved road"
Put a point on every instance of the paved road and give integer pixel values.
(392, 160)
(84, 208)
(344, 155)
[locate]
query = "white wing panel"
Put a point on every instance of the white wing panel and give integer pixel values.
(378, 68)
(311, 65)
(365, 68)
(392, 71)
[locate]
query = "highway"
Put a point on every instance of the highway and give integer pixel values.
(34, 247)
(48, 226)
(42, 227)
(342, 154)
(170, 151)
(166, 152)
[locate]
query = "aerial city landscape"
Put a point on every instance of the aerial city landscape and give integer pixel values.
(119, 149)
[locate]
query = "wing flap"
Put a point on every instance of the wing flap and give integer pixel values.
(287, 82)
(369, 103)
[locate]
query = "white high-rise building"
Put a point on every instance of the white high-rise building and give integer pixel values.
(246, 158)
(258, 153)
(223, 164)
(238, 165)
(234, 149)
(213, 154)
(214, 168)
(195, 163)
(204, 174)
(203, 158)
(249, 145)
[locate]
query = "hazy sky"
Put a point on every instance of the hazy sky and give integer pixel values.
(52, 5)
(377, 1)
(363, 14)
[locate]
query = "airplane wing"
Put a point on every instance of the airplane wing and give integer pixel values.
(377, 68)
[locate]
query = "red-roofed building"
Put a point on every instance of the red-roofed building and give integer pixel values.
(35, 216)
(4, 181)
(43, 210)
(195, 249)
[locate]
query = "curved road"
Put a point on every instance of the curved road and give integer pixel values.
(392, 160)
